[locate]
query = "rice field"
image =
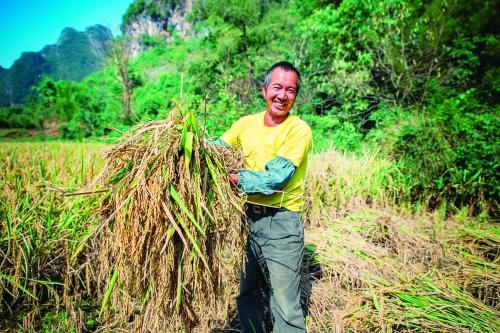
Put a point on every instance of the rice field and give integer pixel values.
(370, 265)
(44, 265)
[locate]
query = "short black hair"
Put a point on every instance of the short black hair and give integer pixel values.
(285, 65)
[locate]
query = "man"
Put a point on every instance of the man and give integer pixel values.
(275, 145)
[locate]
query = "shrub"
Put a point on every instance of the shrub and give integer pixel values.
(451, 153)
(331, 132)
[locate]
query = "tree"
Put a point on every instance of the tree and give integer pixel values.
(120, 60)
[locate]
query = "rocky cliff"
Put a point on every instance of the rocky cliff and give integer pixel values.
(155, 18)
(75, 55)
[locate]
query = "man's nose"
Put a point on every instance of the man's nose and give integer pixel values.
(282, 94)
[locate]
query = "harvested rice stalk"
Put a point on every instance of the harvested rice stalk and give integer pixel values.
(381, 273)
(172, 239)
(474, 262)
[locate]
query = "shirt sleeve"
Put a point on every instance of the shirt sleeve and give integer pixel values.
(230, 137)
(297, 144)
(277, 173)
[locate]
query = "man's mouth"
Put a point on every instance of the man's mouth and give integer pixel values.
(279, 105)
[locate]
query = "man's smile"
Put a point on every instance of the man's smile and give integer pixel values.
(279, 104)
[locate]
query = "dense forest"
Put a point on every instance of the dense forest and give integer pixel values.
(418, 81)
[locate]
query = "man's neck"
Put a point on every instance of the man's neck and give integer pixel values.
(271, 121)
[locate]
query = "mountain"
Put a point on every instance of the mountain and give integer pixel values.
(16, 82)
(155, 18)
(75, 55)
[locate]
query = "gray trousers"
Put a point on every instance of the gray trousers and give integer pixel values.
(274, 249)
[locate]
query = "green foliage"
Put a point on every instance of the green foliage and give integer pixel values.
(451, 153)
(133, 10)
(155, 100)
(330, 132)
(490, 86)
(336, 57)
(57, 323)
(239, 13)
(17, 116)
(74, 48)
(152, 41)
(16, 81)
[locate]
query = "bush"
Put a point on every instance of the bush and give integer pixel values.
(331, 132)
(18, 116)
(451, 153)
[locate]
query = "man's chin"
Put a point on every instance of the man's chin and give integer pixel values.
(278, 113)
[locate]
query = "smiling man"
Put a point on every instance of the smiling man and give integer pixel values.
(275, 146)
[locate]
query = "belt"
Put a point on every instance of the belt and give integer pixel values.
(264, 210)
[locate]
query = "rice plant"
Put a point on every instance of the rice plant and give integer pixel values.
(338, 184)
(382, 273)
(42, 265)
(171, 240)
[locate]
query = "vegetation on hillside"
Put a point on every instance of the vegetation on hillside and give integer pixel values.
(417, 80)
(74, 56)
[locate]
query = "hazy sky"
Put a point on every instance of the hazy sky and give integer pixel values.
(29, 25)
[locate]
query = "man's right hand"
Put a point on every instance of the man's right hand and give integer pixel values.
(233, 177)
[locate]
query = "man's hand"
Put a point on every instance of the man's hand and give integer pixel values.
(233, 178)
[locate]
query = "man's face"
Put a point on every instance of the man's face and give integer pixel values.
(281, 92)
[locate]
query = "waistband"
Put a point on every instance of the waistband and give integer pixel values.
(263, 210)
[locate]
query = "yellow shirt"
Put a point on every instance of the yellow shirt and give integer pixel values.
(292, 139)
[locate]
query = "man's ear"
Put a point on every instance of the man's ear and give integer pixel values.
(263, 91)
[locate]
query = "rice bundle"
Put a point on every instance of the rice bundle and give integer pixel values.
(172, 238)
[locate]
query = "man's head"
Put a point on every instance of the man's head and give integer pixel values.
(281, 86)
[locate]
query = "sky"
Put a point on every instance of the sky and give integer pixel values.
(29, 25)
